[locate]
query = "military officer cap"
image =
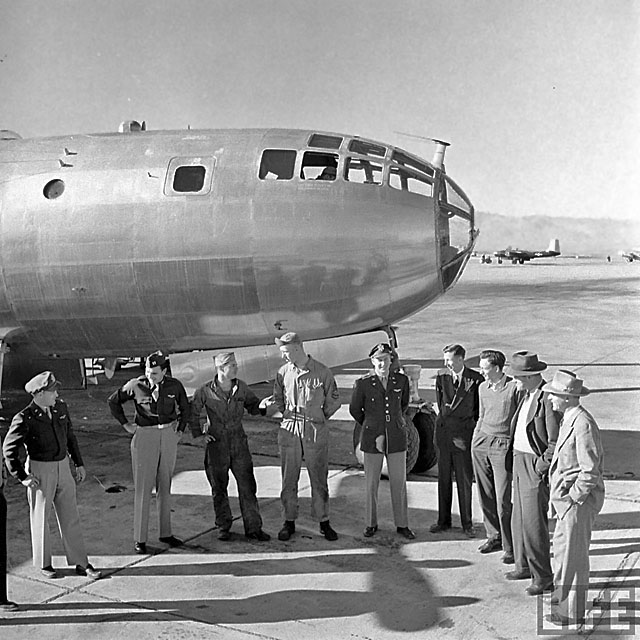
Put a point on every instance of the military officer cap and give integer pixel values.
(156, 359)
(44, 381)
(380, 349)
(220, 359)
(288, 338)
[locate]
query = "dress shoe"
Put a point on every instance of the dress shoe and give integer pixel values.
(224, 534)
(537, 588)
(327, 531)
(370, 531)
(517, 575)
(7, 605)
(439, 528)
(470, 532)
(88, 571)
(172, 541)
(490, 545)
(507, 558)
(557, 619)
(288, 529)
(258, 535)
(405, 532)
(140, 547)
(49, 572)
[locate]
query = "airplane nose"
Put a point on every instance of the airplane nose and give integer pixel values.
(456, 231)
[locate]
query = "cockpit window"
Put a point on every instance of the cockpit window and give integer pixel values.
(319, 166)
(362, 171)
(277, 164)
(367, 148)
(189, 176)
(324, 141)
(407, 161)
(409, 181)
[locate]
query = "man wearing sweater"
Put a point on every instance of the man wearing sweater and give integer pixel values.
(492, 453)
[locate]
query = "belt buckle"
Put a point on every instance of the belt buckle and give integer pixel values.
(387, 418)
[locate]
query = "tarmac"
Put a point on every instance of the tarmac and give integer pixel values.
(582, 315)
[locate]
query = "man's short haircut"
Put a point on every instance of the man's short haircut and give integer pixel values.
(495, 358)
(456, 349)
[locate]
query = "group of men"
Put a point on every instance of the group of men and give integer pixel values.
(528, 443)
(506, 431)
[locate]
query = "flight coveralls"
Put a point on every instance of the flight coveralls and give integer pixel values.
(229, 451)
(307, 397)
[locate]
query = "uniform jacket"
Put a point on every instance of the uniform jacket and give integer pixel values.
(380, 411)
(543, 424)
(459, 408)
(172, 402)
(224, 412)
(307, 397)
(46, 440)
(577, 465)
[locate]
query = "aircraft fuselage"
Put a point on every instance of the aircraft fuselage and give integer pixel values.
(117, 244)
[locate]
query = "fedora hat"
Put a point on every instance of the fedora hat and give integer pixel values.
(525, 363)
(566, 383)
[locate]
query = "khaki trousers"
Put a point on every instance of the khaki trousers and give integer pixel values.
(56, 488)
(397, 468)
(153, 458)
(316, 456)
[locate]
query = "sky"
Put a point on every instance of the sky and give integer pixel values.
(539, 100)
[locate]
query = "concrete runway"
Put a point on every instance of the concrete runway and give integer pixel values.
(577, 314)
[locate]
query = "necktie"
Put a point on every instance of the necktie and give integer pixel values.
(155, 393)
(384, 382)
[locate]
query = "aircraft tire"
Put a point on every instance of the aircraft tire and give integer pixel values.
(413, 447)
(427, 456)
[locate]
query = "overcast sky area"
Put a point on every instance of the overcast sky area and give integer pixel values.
(540, 100)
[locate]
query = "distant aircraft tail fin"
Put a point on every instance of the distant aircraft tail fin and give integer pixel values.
(554, 245)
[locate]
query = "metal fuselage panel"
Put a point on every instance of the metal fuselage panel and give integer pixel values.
(115, 266)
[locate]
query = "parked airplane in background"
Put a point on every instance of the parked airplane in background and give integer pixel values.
(630, 256)
(520, 256)
(118, 244)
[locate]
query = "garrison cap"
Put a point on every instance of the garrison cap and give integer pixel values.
(220, 359)
(44, 381)
(380, 350)
(288, 338)
(156, 359)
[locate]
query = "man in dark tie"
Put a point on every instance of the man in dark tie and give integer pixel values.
(162, 414)
(458, 411)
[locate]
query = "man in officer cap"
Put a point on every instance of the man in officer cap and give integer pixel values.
(535, 431)
(577, 496)
(306, 394)
(161, 416)
(225, 399)
(378, 404)
(44, 429)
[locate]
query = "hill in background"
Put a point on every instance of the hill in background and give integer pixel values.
(584, 236)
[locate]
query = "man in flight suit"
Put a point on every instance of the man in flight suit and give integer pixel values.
(306, 394)
(225, 399)
(162, 414)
